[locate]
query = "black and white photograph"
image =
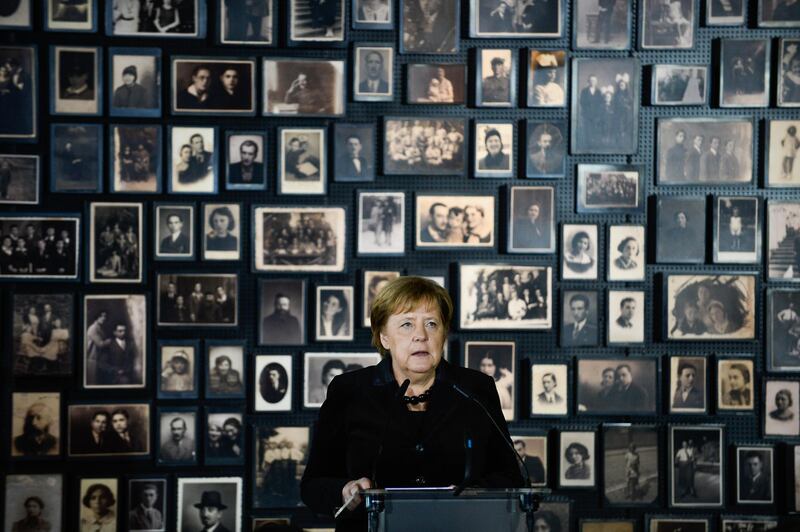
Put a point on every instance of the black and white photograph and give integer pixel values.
(43, 333)
(245, 164)
(497, 360)
(783, 240)
(780, 410)
(577, 460)
(147, 509)
(210, 86)
(782, 153)
(115, 341)
(316, 21)
(744, 73)
(630, 465)
(225, 369)
(531, 224)
(174, 231)
(134, 81)
(99, 505)
(165, 19)
(547, 79)
(553, 515)
(505, 297)
(601, 25)
(198, 299)
(33, 502)
(532, 450)
(789, 73)
(303, 166)
(222, 224)
(280, 455)
(17, 15)
(681, 219)
(76, 73)
(20, 179)
(667, 25)
(549, 389)
(76, 158)
(678, 525)
(115, 242)
(496, 77)
(118, 429)
(291, 239)
(372, 283)
(579, 251)
(609, 189)
(373, 73)
(688, 385)
(224, 441)
(249, 23)
(580, 318)
(303, 87)
(494, 151)
(193, 160)
(177, 436)
(547, 149)
(429, 26)
(321, 368)
(705, 151)
(725, 12)
(273, 383)
(354, 146)
(454, 221)
(783, 329)
(381, 223)
(737, 229)
(626, 317)
(210, 503)
(754, 482)
(39, 247)
(35, 424)
(282, 312)
(778, 14)
(135, 159)
(419, 146)
(436, 83)
(373, 14)
(605, 106)
(508, 20)
(735, 385)
(711, 307)
(178, 367)
(696, 466)
(18, 93)
(758, 524)
(617, 386)
(626, 253)
(680, 84)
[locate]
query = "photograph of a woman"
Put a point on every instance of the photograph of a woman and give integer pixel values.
(494, 149)
(98, 511)
(626, 253)
(577, 460)
(222, 230)
(579, 252)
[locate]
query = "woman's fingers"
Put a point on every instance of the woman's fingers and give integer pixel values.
(352, 488)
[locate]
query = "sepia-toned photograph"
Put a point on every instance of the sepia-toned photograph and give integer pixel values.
(696, 466)
(547, 79)
(222, 229)
(630, 464)
(496, 77)
(372, 283)
(547, 149)
(579, 251)
(780, 410)
(303, 163)
(735, 385)
(601, 25)
(617, 386)
(381, 223)
(121, 429)
(321, 368)
(494, 150)
(198, 299)
(147, 505)
(508, 20)
(39, 247)
(609, 189)
(178, 368)
(549, 389)
(35, 424)
(680, 84)
(17, 15)
(43, 333)
(316, 21)
(115, 242)
(373, 14)
(282, 311)
(744, 73)
(174, 231)
(626, 317)
(192, 161)
(280, 455)
(245, 164)
(725, 13)
(166, 19)
(76, 158)
(99, 504)
(20, 179)
(553, 515)
(436, 83)
(789, 73)
(225, 369)
(754, 482)
(497, 360)
(76, 72)
(737, 229)
(18, 93)
(577, 463)
(429, 26)
(688, 385)
(681, 219)
(626, 253)
(612, 525)
(373, 74)
(783, 329)
(580, 315)
(303, 87)
(250, 23)
(454, 221)
(783, 240)
(33, 502)
(782, 152)
(177, 436)
(211, 503)
(224, 441)
(202, 86)
(778, 14)
(273, 382)
(667, 25)
(531, 223)
(354, 146)
(419, 146)
(135, 158)
(532, 450)
(678, 525)
(134, 81)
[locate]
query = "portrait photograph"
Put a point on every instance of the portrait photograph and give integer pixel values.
(436, 83)
(758, 524)
(580, 315)
(532, 450)
(135, 158)
(211, 503)
(692, 485)
(626, 253)
(688, 385)
(615, 525)
(245, 164)
(33, 501)
(579, 251)
(303, 87)
(553, 515)
(167, 19)
(680, 84)
(250, 23)
(783, 240)
(577, 461)
(282, 312)
(778, 14)
(20, 179)
(744, 72)
(735, 385)
(783, 329)
(631, 457)
(737, 229)
(192, 160)
(121, 429)
(754, 482)
(354, 149)
(16, 15)
(617, 386)
(76, 72)
(372, 283)
(202, 86)
(494, 151)
(178, 367)
(198, 299)
(373, 14)
(725, 13)
(789, 73)
(609, 188)
(508, 20)
(134, 81)
(224, 437)
(43, 332)
(681, 219)
(549, 389)
(381, 223)
(373, 72)
(303, 161)
(274, 381)
(605, 106)
(177, 436)
(497, 360)
(115, 341)
(531, 224)
(601, 25)
(781, 414)
(454, 221)
(677, 525)
(99, 504)
(505, 297)
(496, 77)
(280, 457)
(667, 26)
(222, 224)
(39, 247)
(429, 26)
(35, 424)
(419, 146)
(115, 242)
(782, 152)
(76, 158)
(174, 228)
(18, 93)
(321, 368)
(547, 149)
(547, 79)
(316, 21)
(225, 369)
(626, 317)
(147, 509)
(290, 239)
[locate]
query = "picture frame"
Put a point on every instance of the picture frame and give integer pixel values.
(779, 213)
(737, 229)
(436, 83)
(146, 503)
(22, 178)
(372, 282)
(482, 25)
(222, 231)
(226, 382)
(256, 27)
(172, 241)
(246, 160)
(64, 267)
(631, 464)
(547, 78)
(787, 92)
(439, 224)
(601, 525)
(76, 72)
(177, 436)
(680, 84)
(303, 161)
(381, 223)
(213, 86)
(43, 330)
(628, 262)
(688, 385)
(107, 490)
(134, 158)
(725, 14)
(496, 77)
(295, 86)
(400, 159)
(377, 15)
(327, 26)
(609, 189)
(497, 360)
(489, 159)
(609, 395)
(579, 251)
(267, 492)
(228, 492)
(73, 18)
(780, 170)
(178, 368)
(580, 318)
(116, 241)
(681, 219)
(780, 329)
(780, 409)
(755, 473)
(440, 35)
(531, 219)
(17, 18)
(49, 489)
(328, 365)
(629, 325)
(355, 147)
(738, 87)
(213, 311)
(193, 169)
(134, 83)
(557, 512)
(667, 28)
(82, 443)
(273, 379)
(373, 72)
(225, 434)
(76, 158)
(21, 124)
(776, 14)
(593, 23)
(547, 149)
(186, 23)
(735, 385)
(35, 426)
(577, 459)
(669, 523)
(755, 523)
(531, 446)
(282, 312)
(550, 385)
(682, 474)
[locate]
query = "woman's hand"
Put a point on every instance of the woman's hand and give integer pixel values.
(353, 487)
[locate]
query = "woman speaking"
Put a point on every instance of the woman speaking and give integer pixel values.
(402, 423)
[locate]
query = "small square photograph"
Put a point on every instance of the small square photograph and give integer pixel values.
(781, 415)
(547, 78)
(35, 424)
(429, 27)
(247, 23)
(744, 73)
(601, 25)
(678, 525)
(282, 312)
(109, 430)
(202, 86)
(617, 386)
(76, 158)
(287, 449)
(372, 283)
(783, 329)
(224, 438)
(303, 87)
(273, 380)
(497, 360)
(735, 384)
(609, 188)
(778, 14)
(192, 160)
(115, 242)
(616, 525)
(321, 368)
(579, 251)
(490, 18)
(18, 98)
(33, 499)
(166, 19)
(198, 299)
(496, 78)
(580, 316)
(373, 14)
(316, 21)
(789, 73)
(681, 220)
(99, 504)
(135, 158)
(690, 485)
(455, 221)
(783, 152)
(373, 74)
(225, 363)
(418, 146)
(381, 223)
(178, 363)
(76, 72)
(147, 505)
(303, 161)
(43, 333)
(532, 450)
(626, 253)
(135, 81)
(245, 165)
(495, 151)
(783, 241)
(737, 222)
(687, 385)
(222, 226)
(19, 179)
(754, 525)
(177, 436)
(354, 146)
(34, 247)
(174, 225)
(531, 224)
(576, 463)
(549, 389)
(17, 15)
(725, 12)
(667, 26)
(547, 149)
(754, 482)
(680, 84)
(212, 503)
(630, 464)
(436, 83)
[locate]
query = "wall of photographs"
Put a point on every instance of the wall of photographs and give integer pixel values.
(199, 201)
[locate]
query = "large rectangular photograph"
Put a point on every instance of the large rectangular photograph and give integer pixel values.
(20, 179)
(737, 229)
(192, 160)
(508, 20)
(198, 299)
(531, 223)
(43, 334)
(497, 360)
(117, 429)
(76, 158)
(782, 150)
(39, 247)
(166, 19)
(783, 329)
(303, 87)
(789, 73)
(35, 424)
(76, 75)
(696, 466)
(202, 85)
(429, 27)
(210, 503)
(19, 93)
(134, 81)
(321, 368)
(617, 386)
(608, 188)
(667, 26)
(631, 464)
(680, 85)
(744, 69)
(250, 23)
(601, 24)
(454, 221)
(419, 146)
(33, 498)
(135, 158)
(115, 242)
(783, 240)
(280, 455)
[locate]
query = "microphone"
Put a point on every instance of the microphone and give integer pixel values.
(400, 393)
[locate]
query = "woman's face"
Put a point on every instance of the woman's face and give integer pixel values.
(630, 249)
(581, 244)
(120, 423)
(33, 509)
(331, 307)
(493, 144)
(540, 525)
(98, 502)
(703, 294)
(224, 366)
(716, 314)
(220, 223)
(331, 373)
(781, 401)
(488, 366)
(735, 379)
(575, 456)
(214, 433)
(415, 339)
(186, 153)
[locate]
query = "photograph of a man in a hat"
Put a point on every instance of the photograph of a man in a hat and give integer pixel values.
(211, 510)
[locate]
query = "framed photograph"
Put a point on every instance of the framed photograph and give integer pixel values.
(608, 525)
(67, 16)
(601, 25)
(274, 381)
(429, 27)
(458, 221)
(744, 73)
(37, 247)
(496, 77)
(99, 503)
(282, 491)
(783, 329)
(688, 383)
(224, 437)
(37, 498)
(484, 305)
(778, 14)
(579, 251)
(17, 15)
(531, 222)
(193, 160)
(556, 515)
(631, 458)
(754, 481)
(147, 509)
(280, 235)
(245, 164)
(42, 333)
(781, 153)
(436, 83)
(549, 389)
(735, 385)
(532, 449)
(135, 158)
(725, 13)
(782, 259)
(497, 360)
(186, 19)
(373, 14)
(667, 26)
(793, 459)
(115, 341)
(35, 425)
(177, 436)
(758, 524)
(609, 188)
(577, 467)
(178, 368)
(617, 386)
(225, 366)
(626, 317)
(204, 85)
(372, 283)
(489, 19)
(134, 81)
(737, 229)
(210, 502)
(580, 315)
(626, 253)
(20, 178)
(494, 152)
(781, 414)
(418, 146)
(174, 225)
(19, 103)
(303, 87)
(118, 429)
(547, 78)
(321, 368)
(690, 486)
(680, 84)
(381, 223)
(303, 161)
(115, 242)
(248, 24)
(373, 72)
(789, 73)
(209, 299)
(222, 224)
(319, 21)
(670, 524)
(681, 220)
(547, 149)
(282, 312)
(76, 158)
(711, 307)
(354, 146)
(76, 72)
